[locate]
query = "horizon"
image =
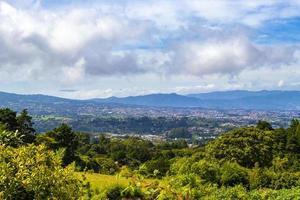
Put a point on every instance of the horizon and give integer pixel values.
(147, 94)
(97, 49)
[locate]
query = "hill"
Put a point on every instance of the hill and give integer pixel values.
(159, 100)
(239, 99)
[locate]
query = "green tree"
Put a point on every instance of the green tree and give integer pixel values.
(179, 133)
(25, 126)
(63, 137)
(264, 125)
(293, 137)
(246, 146)
(208, 171)
(8, 117)
(233, 174)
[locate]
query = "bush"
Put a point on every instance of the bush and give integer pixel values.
(114, 192)
(118, 192)
(33, 172)
(160, 165)
(181, 166)
(233, 174)
(208, 171)
(9, 138)
(258, 178)
(237, 192)
(246, 146)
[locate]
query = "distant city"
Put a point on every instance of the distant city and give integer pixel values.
(120, 117)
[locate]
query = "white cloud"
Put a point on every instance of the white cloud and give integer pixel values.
(280, 83)
(228, 56)
(195, 89)
(73, 45)
(74, 73)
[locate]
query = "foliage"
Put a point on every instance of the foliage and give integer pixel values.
(25, 126)
(207, 171)
(264, 125)
(21, 123)
(62, 137)
(33, 172)
(246, 163)
(9, 138)
(8, 117)
(246, 146)
(179, 133)
(233, 174)
(157, 168)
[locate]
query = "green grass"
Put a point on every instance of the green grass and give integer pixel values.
(101, 181)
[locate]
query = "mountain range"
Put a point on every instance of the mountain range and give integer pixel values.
(237, 99)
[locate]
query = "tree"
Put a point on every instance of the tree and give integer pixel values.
(233, 174)
(246, 146)
(25, 126)
(208, 171)
(293, 137)
(63, 137)
(264, 125)
(23, 123)
(8, 117)
(161, 165)
(179, 133)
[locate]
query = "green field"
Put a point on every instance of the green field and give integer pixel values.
(50, 117)
(101, 181)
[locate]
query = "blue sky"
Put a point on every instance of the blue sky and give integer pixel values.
(86, 49)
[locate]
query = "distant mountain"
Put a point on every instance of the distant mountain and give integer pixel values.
(159, 100)
(238, 94)
(239, 99)
(228, 95)
(8, 98)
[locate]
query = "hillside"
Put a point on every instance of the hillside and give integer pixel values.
(239, 99)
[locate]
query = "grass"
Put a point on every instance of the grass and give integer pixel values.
(101, 181)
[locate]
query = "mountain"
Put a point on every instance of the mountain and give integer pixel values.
(238, 99)
(159, 100)
(241, 99)
(229, 95)
(7, 98)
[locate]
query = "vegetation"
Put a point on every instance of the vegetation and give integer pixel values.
(246, 163)
(33, 172)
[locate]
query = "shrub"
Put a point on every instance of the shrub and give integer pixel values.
(114, 192)
(233, 174)
(33, 172)
(208, 171)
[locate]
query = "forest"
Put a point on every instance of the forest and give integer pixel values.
(257, 162)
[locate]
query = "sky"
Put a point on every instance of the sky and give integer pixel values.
(100, 48)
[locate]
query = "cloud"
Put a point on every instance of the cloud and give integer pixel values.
(56, 39)
(68, 90)
(194, 89)
(78, 43)
(280, 83)
(228, 56)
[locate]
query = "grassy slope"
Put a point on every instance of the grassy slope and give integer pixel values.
(101, 181)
